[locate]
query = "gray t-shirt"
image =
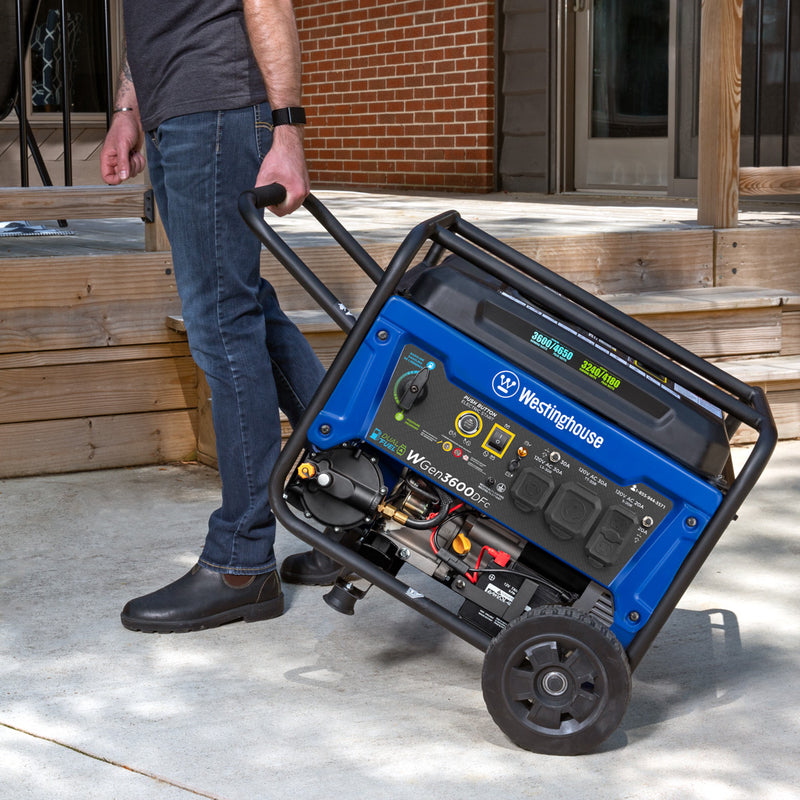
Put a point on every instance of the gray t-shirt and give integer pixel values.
(188, 56)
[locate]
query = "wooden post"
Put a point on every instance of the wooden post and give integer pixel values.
(720, 113)
(155, 237)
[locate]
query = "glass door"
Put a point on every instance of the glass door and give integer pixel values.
(621, 94)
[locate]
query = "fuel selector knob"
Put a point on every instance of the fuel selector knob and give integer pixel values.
(412, 389)
(468, 424)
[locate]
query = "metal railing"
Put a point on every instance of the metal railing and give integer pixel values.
(26, 139)
(786, 59)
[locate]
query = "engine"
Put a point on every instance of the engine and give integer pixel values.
(418, 523)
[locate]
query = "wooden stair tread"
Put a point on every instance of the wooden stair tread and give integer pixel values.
(76, 202)
(769, 369)
(634, 304)
(699, 300)
(308, 321)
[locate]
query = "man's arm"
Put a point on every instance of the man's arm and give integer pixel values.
(121, 157)
(273, 36)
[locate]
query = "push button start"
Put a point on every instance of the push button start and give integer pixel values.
(468, 423)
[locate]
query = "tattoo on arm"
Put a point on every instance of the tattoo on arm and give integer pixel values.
(126, 92)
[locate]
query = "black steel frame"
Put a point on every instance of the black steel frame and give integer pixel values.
(449, 232)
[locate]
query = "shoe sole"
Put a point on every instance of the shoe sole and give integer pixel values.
(304, 579)
(255, 612)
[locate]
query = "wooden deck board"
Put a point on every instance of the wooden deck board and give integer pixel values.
(758, 257)
(54, 283)
(82, 443)
(73, 202)
(709, 299)
(100, 388)
(93, 355)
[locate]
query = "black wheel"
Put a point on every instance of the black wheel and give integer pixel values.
(556, 681)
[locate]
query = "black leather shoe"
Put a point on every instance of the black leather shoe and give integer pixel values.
(311, 568)
(203, 599)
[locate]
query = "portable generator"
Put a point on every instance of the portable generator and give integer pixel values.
(562, 468)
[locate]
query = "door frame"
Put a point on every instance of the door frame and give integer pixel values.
(564, 65)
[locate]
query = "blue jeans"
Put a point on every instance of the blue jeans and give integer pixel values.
(254, 358)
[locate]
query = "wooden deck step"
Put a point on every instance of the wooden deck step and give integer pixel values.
(323, 335)
(636, 305)
(779, 377)
(762, 371)
(77, 202)
(715, 323)
(727, 322)
(719, 322)
(700, 300)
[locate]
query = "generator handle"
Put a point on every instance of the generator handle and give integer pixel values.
(252, 201)
(271, 195)
(344, 238)
(250, 204)
(583, 308)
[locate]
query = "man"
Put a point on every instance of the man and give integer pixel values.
(211, 88)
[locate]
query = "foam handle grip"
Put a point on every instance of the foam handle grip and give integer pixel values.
(272, 195)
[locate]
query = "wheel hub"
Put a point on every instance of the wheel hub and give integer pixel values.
(555, 683)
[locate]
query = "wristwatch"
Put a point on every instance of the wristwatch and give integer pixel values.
(293, 115)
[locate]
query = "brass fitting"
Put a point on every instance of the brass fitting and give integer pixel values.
(392, 513)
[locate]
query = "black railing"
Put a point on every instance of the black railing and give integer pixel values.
(767, 74)
(26, 13)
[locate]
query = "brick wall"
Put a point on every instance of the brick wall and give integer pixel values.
(399, 94)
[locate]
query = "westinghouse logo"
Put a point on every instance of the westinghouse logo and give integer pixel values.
(561, 421)
(505, 384)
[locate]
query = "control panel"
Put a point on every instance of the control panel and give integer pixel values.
(509, 472)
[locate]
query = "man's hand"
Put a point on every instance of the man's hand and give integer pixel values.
(121, 157)
(273, 36)
(285, 163)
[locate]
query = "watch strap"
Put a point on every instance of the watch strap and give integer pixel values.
(292, 115)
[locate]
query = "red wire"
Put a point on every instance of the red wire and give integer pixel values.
(432, 539)
(496, 554)
(474, 576)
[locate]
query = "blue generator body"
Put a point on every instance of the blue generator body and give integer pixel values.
(489, 426)
(522, 454)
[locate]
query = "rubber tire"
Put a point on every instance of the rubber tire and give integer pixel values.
(585, 666)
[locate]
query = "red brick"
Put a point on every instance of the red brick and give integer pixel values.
(419, 72)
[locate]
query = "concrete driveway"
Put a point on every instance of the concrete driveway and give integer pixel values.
(384, 704)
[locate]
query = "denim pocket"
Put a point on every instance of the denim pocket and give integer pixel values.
(263, 128)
